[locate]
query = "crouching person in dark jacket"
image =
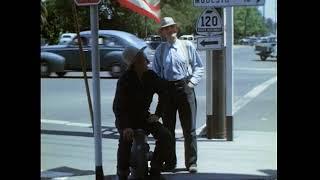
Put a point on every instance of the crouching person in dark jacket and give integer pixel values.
(135, 89)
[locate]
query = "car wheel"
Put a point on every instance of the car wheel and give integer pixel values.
(44, 68)
(61, 74)
(263, 57)
(115, 70)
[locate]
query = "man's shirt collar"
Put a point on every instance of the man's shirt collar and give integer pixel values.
(174, 45)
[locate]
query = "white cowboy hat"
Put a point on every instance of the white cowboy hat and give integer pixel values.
(167, 21)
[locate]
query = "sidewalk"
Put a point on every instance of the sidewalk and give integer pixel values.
(251, 155)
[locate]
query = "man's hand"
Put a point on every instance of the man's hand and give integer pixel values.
(128, 134)
(153, 118)
(190, 84)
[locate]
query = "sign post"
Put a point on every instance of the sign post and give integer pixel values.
(210, 24)
(229, 73)
(95, 83)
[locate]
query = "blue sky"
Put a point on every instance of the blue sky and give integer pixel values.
(270, 9)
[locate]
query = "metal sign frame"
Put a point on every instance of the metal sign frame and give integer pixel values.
(87, 2)
(210, 43)
(227, 3)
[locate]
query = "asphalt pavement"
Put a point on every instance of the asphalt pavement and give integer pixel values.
(67, 147)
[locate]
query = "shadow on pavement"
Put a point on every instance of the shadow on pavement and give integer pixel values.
(270, 60)
(270, 172)
(64, 172)
(207, 176)
(112, 133)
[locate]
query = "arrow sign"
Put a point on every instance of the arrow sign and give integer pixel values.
(204, 43)
(208, 43)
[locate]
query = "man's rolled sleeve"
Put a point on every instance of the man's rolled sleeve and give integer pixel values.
(197, 66)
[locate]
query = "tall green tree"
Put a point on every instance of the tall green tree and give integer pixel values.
(43, 15)
(60, 19)
(183, 13)
(248, 21)
(271, 26)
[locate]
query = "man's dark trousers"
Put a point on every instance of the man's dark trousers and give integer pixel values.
(182, 99)
(163, 138)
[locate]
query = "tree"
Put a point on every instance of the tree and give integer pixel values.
(248, 21)
(183, 13)
(60, 19)
(271, 26)
(43, 16)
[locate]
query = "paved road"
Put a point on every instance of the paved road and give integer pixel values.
(255, 100)
(67, 145)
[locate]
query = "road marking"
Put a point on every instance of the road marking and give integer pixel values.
(255, 69)
(266, 70)
(252, 94)
(247, 98)
(236, 107)
(264, 119)
(55, 174)
(67, 123)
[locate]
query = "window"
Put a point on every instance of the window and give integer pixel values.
(107, 41)
(83, 40)
(112, 42)
(66, 36)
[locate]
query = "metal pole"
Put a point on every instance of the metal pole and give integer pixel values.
(209, 109)
(217, 129)
(264, 13)
(275, 19)
(96, 91)
(229, 72)
(145, 26)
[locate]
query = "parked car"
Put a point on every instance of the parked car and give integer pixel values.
(266, 47)
(111, 44)
(66, 38)
(187, 37)
(153, 41)
(51, 62)
(244, 41)
(248, 41)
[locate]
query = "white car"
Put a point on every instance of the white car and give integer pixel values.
(66, 38)
(187, 37)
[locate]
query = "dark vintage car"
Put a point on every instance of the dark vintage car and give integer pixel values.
(63, 58)
(153, 41)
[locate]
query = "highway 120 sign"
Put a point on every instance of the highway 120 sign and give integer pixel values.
(209, 23)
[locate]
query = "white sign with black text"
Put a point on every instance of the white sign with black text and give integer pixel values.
(212, 43)
(209, 23)
(227, 3)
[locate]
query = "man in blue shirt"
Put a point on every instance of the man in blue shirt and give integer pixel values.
(178, 62)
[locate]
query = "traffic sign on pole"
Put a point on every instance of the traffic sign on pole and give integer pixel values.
(227, 3)
(209, 23)
(209, 42)
(87, 2)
